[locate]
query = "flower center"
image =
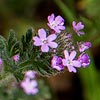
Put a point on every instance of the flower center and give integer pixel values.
(53, 24)
(69, 62)
(45, 41)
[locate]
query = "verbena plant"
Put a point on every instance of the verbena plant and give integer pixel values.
(47, 53)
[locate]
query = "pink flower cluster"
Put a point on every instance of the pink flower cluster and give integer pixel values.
(70, 59)
(71, 55)
(29, 84)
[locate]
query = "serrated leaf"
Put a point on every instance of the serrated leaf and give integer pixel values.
(43, 72)
(25, 63)
(28, 35)
(11, 40)
(41, 68)
(23, 43)
(2, 38)
(15, 48)
(26, 41)
(2, 42)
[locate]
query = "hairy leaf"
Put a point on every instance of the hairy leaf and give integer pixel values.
(28, 35)
(13, 44)
(2, 42)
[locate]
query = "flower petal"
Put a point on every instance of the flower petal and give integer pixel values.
(61, 27)
(76, 63)
(80, 26)
(51, 18)
(53, 44)
(57, 67)
(44, 48)
(42, 33)
(34, 91)
(64, 61)
(72, 55)
(59, 20)
(66, 54)
(37, 40)
(33, 83)
(51, 37)
(30, 74)
(71, 69)
(84, 60)
(56, 29)
(80, 33)
(73, 24)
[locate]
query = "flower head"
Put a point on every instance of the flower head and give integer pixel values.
(45, 42)
(29, 86)
(70, 62)
(16, 57)
(84, 60)
(56, 63)
(56, 23)
(77, 27)
(83, 46)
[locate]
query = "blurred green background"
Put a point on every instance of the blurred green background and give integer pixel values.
(20, 15)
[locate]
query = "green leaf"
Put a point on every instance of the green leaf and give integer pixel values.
(11, 39)
(15, 48)
(43, 72)
(2, 42)
(23, 43)
(42, 68)
(24, 63)
(28, 35)
(13, 44)
(26, 41)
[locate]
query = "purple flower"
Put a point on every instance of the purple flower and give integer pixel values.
(30, 74)
(77, 27)
(83, 46)
(84, 60)
(70, 62)
(16, 57)
(1, 64)
(56, 63)
(29, 86)
(56, 23)
(45, 42)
